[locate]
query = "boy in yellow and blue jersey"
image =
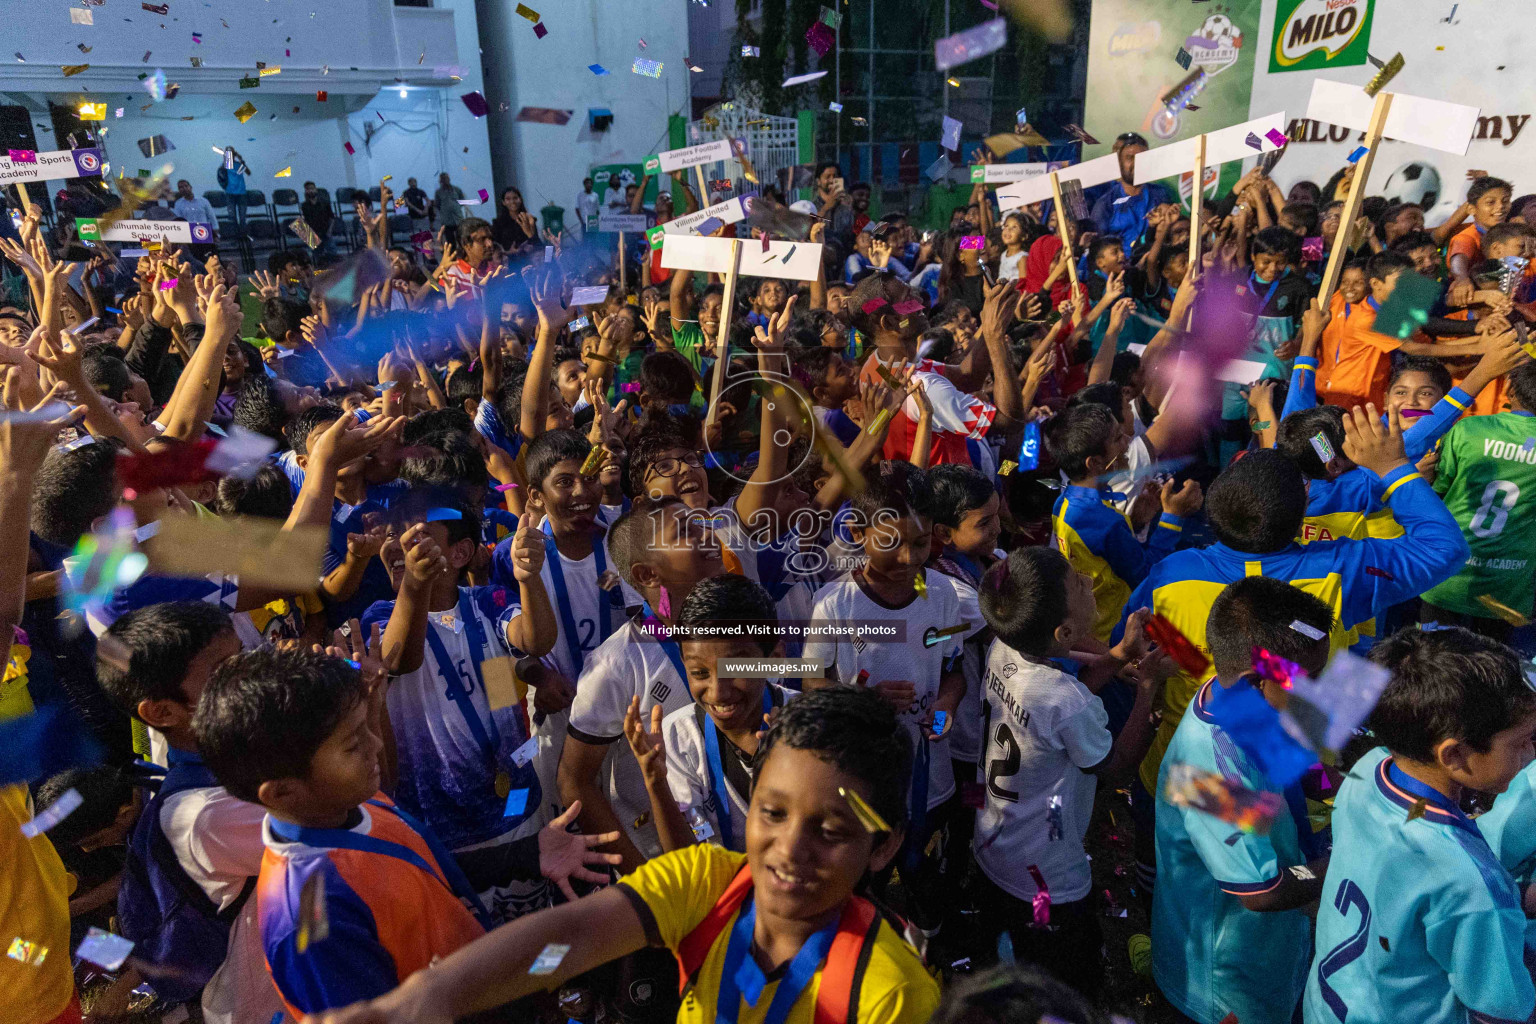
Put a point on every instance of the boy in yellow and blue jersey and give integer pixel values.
(1230, 935)
(1343, 500)
(1418, 921)
(1086, 441)
(1255, 509)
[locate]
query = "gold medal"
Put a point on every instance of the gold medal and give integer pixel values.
(503, 785)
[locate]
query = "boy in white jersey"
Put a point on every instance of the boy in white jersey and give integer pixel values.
(588, 597)
(662, 551)
(1046, 743)
(901, 636)
(698, 761)
(462, 757)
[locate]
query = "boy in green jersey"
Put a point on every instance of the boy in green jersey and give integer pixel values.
(1487, 476)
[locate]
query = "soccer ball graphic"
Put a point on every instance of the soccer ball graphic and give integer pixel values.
(1415, 182)
(1218, 28)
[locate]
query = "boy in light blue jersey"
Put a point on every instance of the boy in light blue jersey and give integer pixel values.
(1419, 922)
(1230, 934)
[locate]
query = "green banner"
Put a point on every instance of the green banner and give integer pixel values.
(1139, 50)
(1314, 34)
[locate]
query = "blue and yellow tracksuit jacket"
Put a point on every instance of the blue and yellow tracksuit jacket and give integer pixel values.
(1097, 539)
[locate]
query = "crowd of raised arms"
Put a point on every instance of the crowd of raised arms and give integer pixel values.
(382, 633)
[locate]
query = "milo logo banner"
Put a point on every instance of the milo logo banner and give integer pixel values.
(1312, 34)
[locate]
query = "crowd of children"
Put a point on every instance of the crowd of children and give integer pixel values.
(407, 643)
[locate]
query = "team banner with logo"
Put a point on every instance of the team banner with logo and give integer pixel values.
(59, 163)
(1261, 56)
(143, 231)
(1139, 50)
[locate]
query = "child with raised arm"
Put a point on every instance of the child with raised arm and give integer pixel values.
(780, 924)
(354, 894)
(462, 751)
(697, 761)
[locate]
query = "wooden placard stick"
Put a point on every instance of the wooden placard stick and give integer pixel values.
(723, 337)
(1196, 204)
(1355, 199)
(1066, 239)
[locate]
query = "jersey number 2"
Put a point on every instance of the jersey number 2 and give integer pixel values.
(1348, 951)
(1005, 766)
(1498, 498)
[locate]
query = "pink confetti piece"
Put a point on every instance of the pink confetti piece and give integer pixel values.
(168, 284)
(1276, 136)
(908, 307)
(973, 242)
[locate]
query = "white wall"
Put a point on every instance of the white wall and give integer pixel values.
(427, 131)
(547, 161)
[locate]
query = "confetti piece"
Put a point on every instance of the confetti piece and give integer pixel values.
(32, 953)
(60, 809)
(953, 82)
(920, 584)
(1359, 152)
(1312, 248)
(1503, 611)
(71, 70)
(598, 69)
(485, 196)
(1183, 58)
(1253, 141)
(1041, 904)
(476, 103)
(540, 31)
(1322, 446)
(648, 68)
(549, 958)
(748, 51)
(250, 83)
(1179, 97)
(830, 18)
(1177, 646)
(1387, 73)
(81, 16)
(642, 45)
(1214, 794)
(155, 85)
(836, 108)
(1419, 807)
(1275, 668)
(348, 147)
(157, 8)
(197, 37)
(1080, 133)
(517, 803)
(1307, 631)
(23, 156)
(966, 46)
(867, 815)
(245, 112)
(104, 949)
(264, 72)
(286, 172)
(973, 242)
(314, 925)
(820, 38)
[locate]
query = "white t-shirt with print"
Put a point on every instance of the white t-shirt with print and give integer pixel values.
(965, 735)
(217, 841)
(688, 769)
(847, 602)
(628, 664)
(1043, 727)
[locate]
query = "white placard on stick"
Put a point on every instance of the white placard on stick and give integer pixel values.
(787, 261)
(691, 156)
(729, 212)
(1038, 190)
(147, 230)
(1435, 124)
(1220, 146)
